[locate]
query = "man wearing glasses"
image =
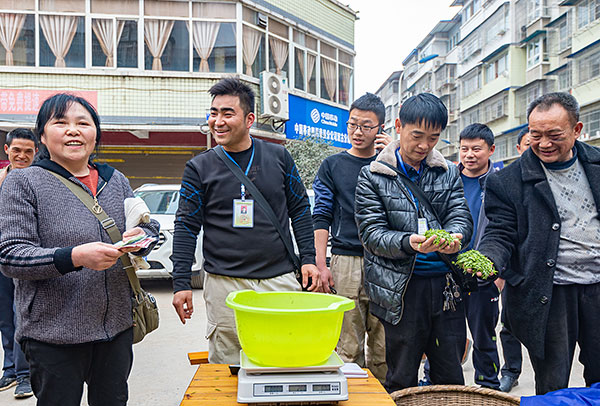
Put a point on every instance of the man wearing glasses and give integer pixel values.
(334, 188)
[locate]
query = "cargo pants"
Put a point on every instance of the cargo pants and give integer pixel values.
(223, 344)
(348, 276)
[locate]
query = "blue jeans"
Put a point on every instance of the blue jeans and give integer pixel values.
(15, 364)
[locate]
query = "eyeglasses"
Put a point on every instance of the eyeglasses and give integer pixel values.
(363, 128)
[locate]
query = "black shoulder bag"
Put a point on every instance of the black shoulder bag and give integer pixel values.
(467, 283)
(264, 205)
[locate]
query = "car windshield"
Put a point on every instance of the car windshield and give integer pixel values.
(160, 201)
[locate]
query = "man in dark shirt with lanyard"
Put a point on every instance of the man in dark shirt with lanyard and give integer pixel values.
(334, 186)
(241, 246)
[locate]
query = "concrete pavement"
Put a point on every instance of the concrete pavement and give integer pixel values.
(161, 371)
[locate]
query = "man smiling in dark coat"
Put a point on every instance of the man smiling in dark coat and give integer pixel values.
(544, 238)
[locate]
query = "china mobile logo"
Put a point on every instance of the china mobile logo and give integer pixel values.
(315, 116)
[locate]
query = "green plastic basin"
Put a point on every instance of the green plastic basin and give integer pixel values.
(288, 329)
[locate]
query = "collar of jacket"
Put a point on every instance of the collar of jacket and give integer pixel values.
(388, 155)
(104, 171)
(531, 166)
(482, 178)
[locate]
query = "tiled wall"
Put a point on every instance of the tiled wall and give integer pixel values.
(135, 96)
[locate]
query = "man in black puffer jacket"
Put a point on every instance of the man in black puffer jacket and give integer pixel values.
(405, 277)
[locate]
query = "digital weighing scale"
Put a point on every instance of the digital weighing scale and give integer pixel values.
(317, 383)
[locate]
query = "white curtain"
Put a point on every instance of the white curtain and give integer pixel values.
(279, 50)
(345, 73)
(329, 76)
(156, 36)
(250, 44)
(310, 66)
(300, 56)
(10, 28)
(204, 36)
(59, 32)
(104, 33)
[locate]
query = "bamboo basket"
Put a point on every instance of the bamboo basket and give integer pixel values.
(452, 395)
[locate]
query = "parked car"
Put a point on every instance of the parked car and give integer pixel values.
(163, 200)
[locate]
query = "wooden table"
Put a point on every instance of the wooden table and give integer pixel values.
(214, 385)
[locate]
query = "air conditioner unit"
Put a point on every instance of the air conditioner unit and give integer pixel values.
(274, 96)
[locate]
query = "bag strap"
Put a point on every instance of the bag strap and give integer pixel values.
(107, 224)
(423, 199)
(262, 202)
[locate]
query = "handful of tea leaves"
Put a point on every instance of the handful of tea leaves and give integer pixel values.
(477, 262)
(439, 234)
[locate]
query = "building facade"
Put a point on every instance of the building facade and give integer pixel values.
(389, 93)
(501, 55)
(146, 65)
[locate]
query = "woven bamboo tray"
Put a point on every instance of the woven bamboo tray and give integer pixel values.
(452, 395)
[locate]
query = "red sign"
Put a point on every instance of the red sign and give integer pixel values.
(28, 101)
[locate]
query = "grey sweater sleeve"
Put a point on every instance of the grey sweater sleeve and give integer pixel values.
(21, 254)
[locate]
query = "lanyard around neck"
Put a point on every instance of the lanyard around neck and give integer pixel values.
(242, 187)
(403, 167)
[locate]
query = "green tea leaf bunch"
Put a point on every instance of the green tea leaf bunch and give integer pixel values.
(477, 262)
(439, 235)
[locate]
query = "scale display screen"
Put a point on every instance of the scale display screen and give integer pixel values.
(295, 389)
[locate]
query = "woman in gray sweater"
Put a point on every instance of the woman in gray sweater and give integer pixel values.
(72, 295)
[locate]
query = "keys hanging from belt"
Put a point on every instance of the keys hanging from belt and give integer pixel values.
(451, 294)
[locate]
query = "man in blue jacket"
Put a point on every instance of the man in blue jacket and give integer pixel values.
(334, 186)
(544, 238)
(406, 279)
(476, 149)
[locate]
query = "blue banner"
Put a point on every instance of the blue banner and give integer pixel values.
(320, 120)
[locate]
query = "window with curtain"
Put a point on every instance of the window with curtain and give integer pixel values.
(328, 79)
(167, 45)
(103, 41)
(278, 56)
(345, 82)
(17, 39)
(127, 46)
(299, 68)
(311, 73)
(62, 41)
(253, 51)
(214, 46)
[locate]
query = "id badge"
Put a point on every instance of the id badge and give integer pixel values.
(422, 226)
(243, 213)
